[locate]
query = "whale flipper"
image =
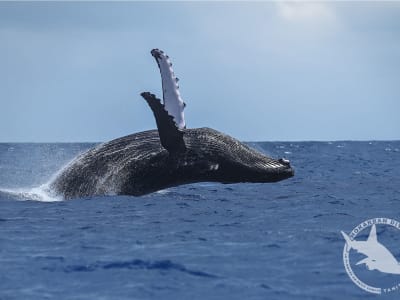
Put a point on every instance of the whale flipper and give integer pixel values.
(171, 137)
(172, 100)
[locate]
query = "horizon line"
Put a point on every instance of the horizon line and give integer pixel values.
(250, 141)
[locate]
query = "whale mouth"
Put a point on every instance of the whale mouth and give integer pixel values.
(289, 171)
(281, 174)
(284, 172)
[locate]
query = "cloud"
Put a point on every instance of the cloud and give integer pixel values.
(305, 11)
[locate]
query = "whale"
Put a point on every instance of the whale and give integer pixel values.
(171, 155)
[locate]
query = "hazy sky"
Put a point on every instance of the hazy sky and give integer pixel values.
(257, 71)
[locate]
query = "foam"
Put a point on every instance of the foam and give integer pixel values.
(41, 193)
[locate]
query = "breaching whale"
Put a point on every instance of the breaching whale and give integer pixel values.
(172, 155)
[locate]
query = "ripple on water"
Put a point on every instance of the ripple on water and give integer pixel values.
(135, 264)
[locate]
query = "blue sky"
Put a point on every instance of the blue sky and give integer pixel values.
(257, 71)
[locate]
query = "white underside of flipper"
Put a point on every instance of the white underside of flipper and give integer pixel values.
(173, 102)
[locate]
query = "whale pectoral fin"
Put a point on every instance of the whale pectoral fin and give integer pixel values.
(171, 137)
(173, 102)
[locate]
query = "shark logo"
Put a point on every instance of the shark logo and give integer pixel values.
(377, 256)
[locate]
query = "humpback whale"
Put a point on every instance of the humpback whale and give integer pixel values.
(171, 155)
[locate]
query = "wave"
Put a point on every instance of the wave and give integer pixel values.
(163, 265)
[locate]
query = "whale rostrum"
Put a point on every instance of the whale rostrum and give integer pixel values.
(172, 155)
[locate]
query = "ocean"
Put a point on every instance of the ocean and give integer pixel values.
(199, 241)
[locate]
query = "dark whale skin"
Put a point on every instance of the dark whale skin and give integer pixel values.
(137, 164)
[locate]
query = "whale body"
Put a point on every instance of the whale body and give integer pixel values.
(138, 164)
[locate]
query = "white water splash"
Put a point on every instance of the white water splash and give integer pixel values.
(41, 193)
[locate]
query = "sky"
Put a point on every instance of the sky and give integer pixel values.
(259, 71)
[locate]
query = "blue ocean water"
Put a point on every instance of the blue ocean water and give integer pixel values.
(199, 241)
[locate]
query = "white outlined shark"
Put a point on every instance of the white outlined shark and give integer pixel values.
(378, 256)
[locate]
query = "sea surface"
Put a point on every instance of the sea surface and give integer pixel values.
(199, 241)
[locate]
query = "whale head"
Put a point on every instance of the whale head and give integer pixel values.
(254, 168)
(227, 160)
